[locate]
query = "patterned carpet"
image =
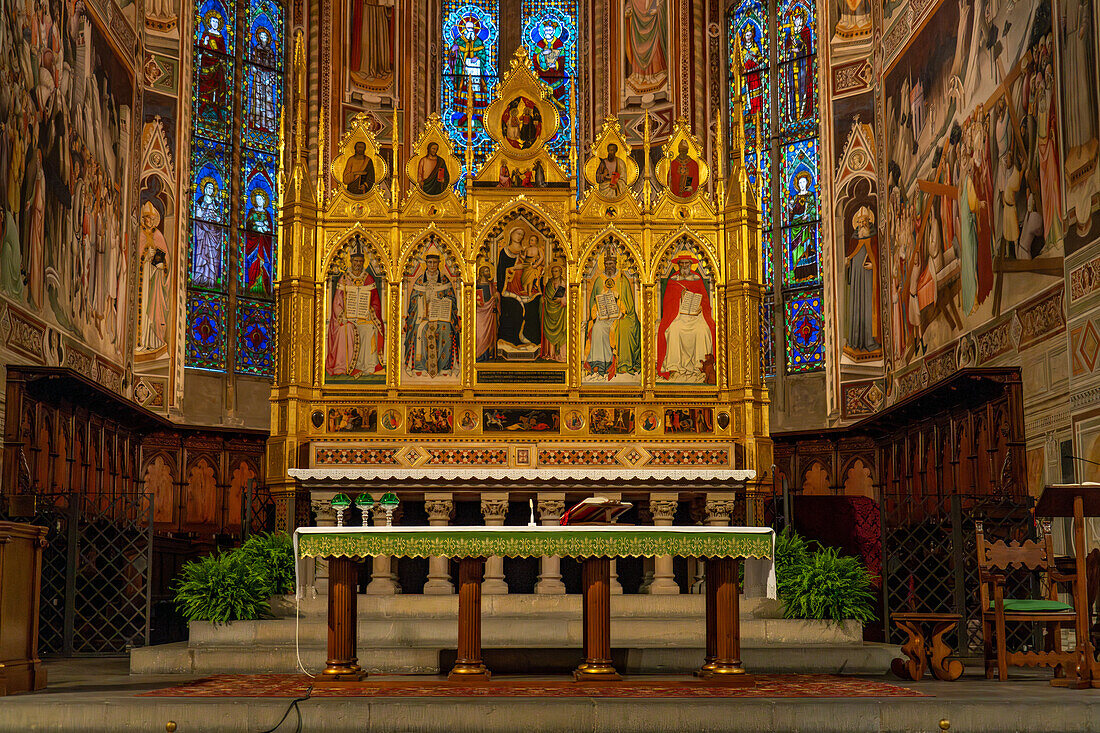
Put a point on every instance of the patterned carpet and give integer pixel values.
(767, 685)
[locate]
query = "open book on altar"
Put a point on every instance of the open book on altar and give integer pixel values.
(439, 309)
(691, 303)
(607, 305)
(357, 303)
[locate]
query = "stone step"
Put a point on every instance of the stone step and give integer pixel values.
(179, 658)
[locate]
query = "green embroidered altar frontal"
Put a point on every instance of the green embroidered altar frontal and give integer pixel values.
(609, 541)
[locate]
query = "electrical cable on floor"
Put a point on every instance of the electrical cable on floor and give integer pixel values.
(297, 650)
(293, 706)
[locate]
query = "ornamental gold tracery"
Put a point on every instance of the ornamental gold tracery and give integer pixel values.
(588, 318)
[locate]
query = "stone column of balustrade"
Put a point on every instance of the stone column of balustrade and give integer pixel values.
(663, 508)
(326, 517)
(644, 518)
(616, 589)
(383, 581)
(440, 509)
(550, 507)
(494, 507)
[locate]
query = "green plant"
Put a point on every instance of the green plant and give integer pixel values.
(221, 588)
(792, 553)
(272, 555)
(831, 586)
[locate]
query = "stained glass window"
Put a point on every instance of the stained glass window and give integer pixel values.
(550, 35)
(776, 41)
(237, 104)
(469, 73)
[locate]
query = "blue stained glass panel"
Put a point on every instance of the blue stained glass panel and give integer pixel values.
(469, 72)
(257, 264)
(798, 98)
(262, 108)
(255, 338)
(797, 29)
(258, 193)
(550, 35)
(209, 247)
(805, 332)
(265, 34)
(206, 318)
(209, 184)
(767, 336)
(213, 89)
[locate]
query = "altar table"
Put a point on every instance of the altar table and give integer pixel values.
(722, 548)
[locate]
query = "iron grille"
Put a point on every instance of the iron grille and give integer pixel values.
(95, 572)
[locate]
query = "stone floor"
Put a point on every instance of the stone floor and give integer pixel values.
(93, 695)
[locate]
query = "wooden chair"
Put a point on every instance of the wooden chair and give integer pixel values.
(995, 561)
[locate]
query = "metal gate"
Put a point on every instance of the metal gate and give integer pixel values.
(95, 572)
(931, 563)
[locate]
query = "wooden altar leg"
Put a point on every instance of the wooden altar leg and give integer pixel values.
(596, 576)
(915, 649)
(341, 664)
(468, 665)
(712, 636)
(722, 574)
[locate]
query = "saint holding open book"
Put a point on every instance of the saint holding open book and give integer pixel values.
(685, 338)
(431, 322)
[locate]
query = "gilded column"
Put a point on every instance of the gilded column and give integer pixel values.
(663, 508)
(494, 507)
(551, 507)
(440, 508)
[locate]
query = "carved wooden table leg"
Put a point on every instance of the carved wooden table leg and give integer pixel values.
(943, 668)
(913, 668)
(341, 664)
(468, 665)
(596, 576)
(722, 574)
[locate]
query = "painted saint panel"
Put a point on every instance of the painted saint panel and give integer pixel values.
(1081, 117)
(611, 330)
(355, 330)
(685, 334)
(521, 297)
(432, 323)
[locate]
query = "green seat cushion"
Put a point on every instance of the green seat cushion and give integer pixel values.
(1028, 605)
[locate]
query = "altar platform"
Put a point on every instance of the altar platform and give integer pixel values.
(97, 695)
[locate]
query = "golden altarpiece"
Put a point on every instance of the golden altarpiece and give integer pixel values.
(516, 321)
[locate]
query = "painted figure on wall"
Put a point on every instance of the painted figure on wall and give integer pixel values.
(486, 314)
(356, 329)
(370, 50)
(612, 335)
(611, 173)
(432, 173)
(154, 280)
(431, 322)
(1082, 109)
(683, 176)
(686, 333)
(861, 285)
(646, 43)
(359, 171)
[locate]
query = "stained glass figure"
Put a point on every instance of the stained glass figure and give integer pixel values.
(210, 199)
(550, 35)
(805, 332)
(265, 100)
(209, 244)
(214, 23)
(265, 34)
(802, 262)
(206, 317)
(469, 71)
(255, 329)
